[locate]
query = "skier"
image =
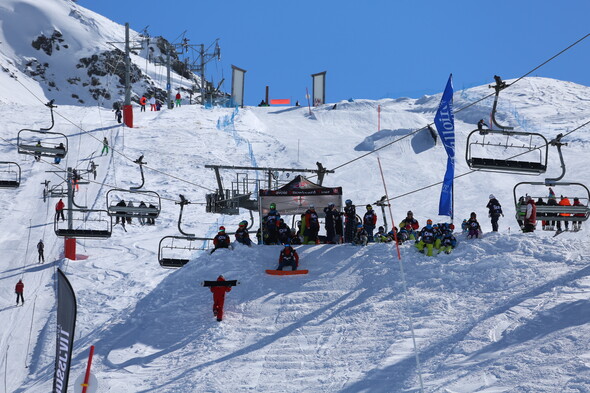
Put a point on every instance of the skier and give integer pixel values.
(152, 103)
(219, 298)
(118, 115)
(369, 222)
(495, 211)
(142, 102)
(40, 249)
(426, 238)
(360, 236)
(284, 232)
(105, 146)
(350, 221)
(59, 210)
(19, 289)
(242, 235)
(312, 226)
(271, 223)
(412, 222)
(481, 124)
(563, 201)
(576, 225)
(221, 240)
(37, 153)
(474, 227)
(332, 216)
(59, 156)
(141, 218)
(178, 99)
(120, 215)
(288, 257)
(530, 221)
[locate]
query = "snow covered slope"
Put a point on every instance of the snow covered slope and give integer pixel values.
(507, 312)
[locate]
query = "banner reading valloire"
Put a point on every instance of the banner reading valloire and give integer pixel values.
(66, 323)
(445, 125)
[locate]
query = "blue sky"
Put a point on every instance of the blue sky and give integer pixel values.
(372, 49)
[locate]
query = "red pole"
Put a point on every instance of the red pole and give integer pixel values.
(378, 117)
(308, 104)
(87, 376)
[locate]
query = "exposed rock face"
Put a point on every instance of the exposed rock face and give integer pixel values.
(48, 44)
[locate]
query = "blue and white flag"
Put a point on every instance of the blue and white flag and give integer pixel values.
(445, 125)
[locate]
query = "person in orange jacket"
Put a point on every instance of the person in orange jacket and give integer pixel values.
(142, 102)
(564, 202)
(219, 298)
(59, 210)
(19, 289)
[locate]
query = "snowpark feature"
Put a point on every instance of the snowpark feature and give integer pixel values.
(505, 313)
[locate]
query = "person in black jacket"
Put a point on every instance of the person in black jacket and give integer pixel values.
(495, 211)
(350, 221)
(332, 217)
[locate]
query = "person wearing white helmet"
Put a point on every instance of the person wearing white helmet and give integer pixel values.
(495, 211)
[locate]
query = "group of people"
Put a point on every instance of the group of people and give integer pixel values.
(126, 217)
(155, 104)
(550, 221)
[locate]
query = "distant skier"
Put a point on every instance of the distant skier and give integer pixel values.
(37, 153)
(219, 298)
(105, 146)
(288, 257)
(59, 156)
(118, 115)
(19, 289)
(349, 221)
(59, 210)
(530, 221)
(152, 103)
(495, 211)
(474, 227)
(178, 99)
(40, 250)
(221, 240)
(142, 103)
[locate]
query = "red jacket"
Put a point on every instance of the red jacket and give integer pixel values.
(531, 212)
(219, 292)
(221, 240)
(578, 203)
(142, 101)
(291, 250)
(20, 287)
(178, 96)
(59, 206)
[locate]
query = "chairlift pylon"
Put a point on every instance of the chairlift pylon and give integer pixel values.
(513, 153)
(42, 142)
(10, 174)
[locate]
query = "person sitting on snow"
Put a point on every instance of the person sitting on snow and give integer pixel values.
(448, 241)
(412, 222)
(360, 236)
(474, 227)
(242, 235)
(288, 257)
(221, 240)
(426, 238)
(381, 236)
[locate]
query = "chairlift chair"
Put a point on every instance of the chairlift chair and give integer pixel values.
(10, 174)
(150, 198)
(87, 223)
(176, 251)
(42, 142)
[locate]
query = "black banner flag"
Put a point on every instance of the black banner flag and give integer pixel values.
(66, 323)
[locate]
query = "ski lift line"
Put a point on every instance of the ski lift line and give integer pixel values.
(469, 105)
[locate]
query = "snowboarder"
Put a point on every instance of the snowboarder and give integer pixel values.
(412, 222)
(19, 289)
(495, 211)
(369, 222)
(178, 99)
(59, 210)
(350, 221)
(481, 124)
(332, 216)
(142, 102)
(219, 298)
(284, 232)
(474, 227)
(271, 223)
(118, 115)
(360, 236)
(530, 221)
(221, 240)
(426, 238)
(242, 235)
(381, 236)
(40, 249)
(288, 257)
(312, 226)
(448, 242)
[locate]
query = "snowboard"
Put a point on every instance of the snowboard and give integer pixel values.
(228, 283)
(285, 272)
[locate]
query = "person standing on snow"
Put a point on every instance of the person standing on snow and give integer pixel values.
(530, 221)
(369, 222)
(270, 224)
(312, 226)
(350, 221)
(242, 235)
(219, 298)
(142, 102)
(178, 99)
(152, 103)
(40, 249)
(332, 216)
(19, 290)
(474, 227)
(495, 211)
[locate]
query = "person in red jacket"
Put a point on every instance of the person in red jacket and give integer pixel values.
(288, 257)
(142, 102)
(221, 240)
(59, 210)
(219, 298)
(576, 225)
(178, 99)
(19, 289)
(530, 221)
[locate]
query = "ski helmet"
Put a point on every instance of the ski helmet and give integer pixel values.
(222, 229)
(409, 213)
(492, 196)
(369, 207)
(348, 202)
(273, 206)
(429, 222)
(244, 223)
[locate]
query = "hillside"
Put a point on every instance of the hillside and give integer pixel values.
(507, 312)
